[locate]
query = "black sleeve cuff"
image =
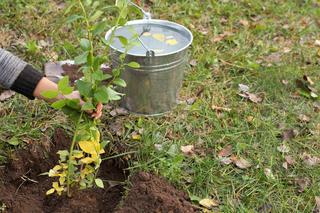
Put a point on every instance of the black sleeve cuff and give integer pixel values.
(27, 81)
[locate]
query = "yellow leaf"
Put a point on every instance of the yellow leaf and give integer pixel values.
(62, 180)
(95, 157)
(172, 42)
(146, 34)
(56, 168)
(56, 187)
(53, 173)
(64, 166)
(136, 136)
(208, 203)
(87, 147)
(97, 136)
(50, 191)
(159, 36)
(98, 148)
(87, 160)
(87, 170)
(77, 155)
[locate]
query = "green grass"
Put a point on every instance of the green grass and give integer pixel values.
(221, 66)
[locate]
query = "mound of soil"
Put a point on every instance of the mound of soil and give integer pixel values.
(150, 193)
(22, 190)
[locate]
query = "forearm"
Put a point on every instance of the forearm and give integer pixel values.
(17, 75)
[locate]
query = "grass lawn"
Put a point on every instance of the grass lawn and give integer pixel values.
(265, 45)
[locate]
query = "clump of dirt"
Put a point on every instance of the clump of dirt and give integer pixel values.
(150, 193)
(72, 71)
(23, 190)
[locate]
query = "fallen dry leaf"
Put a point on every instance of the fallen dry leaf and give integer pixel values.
(308, 79)
(268, 173)
(241, 162)
(316, 106)
(273, 58)
(187, 150)
(288, 134)
(117, 127)
(226, 151)
(286, 50)
(244, 22)
(243, 88)
(304, 118)
(191, 101)
(250, 119)
(119, 111)
(303, 183)
(285, 165)
(310, 160)
(219, 109)
(317, 200)
(208, 203)
(289, 159)
(158, 147)
(252, 97)
(284, 82)
(193, 62)
(221, 36)
(6, 94)
(283, 148)
(225, 160)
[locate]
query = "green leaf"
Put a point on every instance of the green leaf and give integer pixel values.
(120, 82)
(50, 94)
(74, 115)
(73, 18)
(63, 155)
(99, 183)
(101, 94)
(98, 61)
(122, 21)
(100, 76)
(85, 44)
(121, 3)
(14, 141)
(58, 104)
(96, 15)
(113, 95)
(81, 59)
(87, 106)
(73, 103)
(99, 28)
(134, 65)
(123, 40)
(88, 2)
(63, 86)
(85, 88)
(104, 144)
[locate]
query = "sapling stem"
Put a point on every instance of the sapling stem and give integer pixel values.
(70, 155)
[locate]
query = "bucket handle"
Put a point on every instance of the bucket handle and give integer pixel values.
(146, 15)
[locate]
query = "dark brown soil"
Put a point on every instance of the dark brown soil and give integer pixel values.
(22, 190)
(150, 193)
(27, 196)
(72, 71)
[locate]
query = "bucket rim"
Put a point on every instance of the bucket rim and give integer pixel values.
(156, 21)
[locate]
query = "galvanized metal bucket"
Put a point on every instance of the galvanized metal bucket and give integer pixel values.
(153, 88)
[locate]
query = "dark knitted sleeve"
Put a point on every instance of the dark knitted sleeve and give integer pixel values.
(27, 81)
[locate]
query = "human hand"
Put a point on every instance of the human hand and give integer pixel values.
(95, 114)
